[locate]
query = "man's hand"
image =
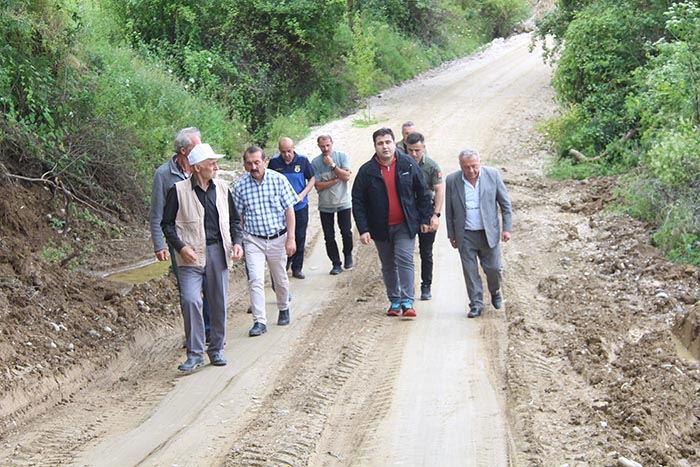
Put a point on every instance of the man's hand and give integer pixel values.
(290, 246)
(188, 254)
(237, 252)
(453, 242)
(506, 236)
(365, 238)
(434, 223)
(328, 160)
(162, 255)
(426, 228)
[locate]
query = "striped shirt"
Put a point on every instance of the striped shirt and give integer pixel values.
(262, 204)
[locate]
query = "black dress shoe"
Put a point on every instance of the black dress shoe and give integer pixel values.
(497, 300)
(298, 274)
(425, 292)
(474, 313)
(283, 318)
(192, 363)
(217, 358)
(257, 329)
(336, 270)
(349, 263)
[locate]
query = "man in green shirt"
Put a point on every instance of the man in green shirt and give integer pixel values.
(415, 146)
(406, 129)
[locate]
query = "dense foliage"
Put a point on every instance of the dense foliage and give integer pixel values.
(85, 113)
(93, 91)
(628, 76)
(266, 59)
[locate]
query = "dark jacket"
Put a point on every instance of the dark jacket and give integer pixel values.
(370, 203)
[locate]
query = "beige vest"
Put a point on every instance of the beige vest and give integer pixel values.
(189, 222)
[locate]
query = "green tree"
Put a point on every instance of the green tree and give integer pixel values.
(361, 63)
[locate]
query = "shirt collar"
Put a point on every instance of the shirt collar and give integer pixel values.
(478, 177)
(294, 159)
(194, 184)
(393, 161)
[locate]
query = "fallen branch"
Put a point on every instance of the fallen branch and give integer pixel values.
(68, 258)
(579, 157)
(56, 184)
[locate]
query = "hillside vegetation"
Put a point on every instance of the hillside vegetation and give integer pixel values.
(93, 91)
(628, 77)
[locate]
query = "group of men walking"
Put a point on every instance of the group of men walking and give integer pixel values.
(396, 196)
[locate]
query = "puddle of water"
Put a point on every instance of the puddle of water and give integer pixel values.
(141, 274)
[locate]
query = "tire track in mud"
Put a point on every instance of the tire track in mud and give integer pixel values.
(340, 363)
(55, 439)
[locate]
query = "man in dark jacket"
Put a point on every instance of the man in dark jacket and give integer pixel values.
(391, 203)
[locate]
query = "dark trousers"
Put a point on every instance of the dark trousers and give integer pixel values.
(345, 224)
(425, 247)
(205, 304)
(302, 221)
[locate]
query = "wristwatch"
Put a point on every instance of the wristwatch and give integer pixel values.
(436, 214)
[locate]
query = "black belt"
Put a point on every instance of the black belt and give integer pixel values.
(213, 242)
(270, 237)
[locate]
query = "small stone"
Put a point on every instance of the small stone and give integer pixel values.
(94, 334)
(108, 329)
(600, 405)
(662, 295)
(55, 326)
(52, 345)
(71, 347)
(28, 344)
(637, 431)
(625, 462)
(140, 302)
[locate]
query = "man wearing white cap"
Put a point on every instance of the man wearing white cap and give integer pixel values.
(202, 225)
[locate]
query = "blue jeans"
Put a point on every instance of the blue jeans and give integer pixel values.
(396, 256)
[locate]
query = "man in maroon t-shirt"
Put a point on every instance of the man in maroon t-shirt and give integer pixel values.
(391, 202)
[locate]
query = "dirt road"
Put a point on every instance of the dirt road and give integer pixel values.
(345, 385)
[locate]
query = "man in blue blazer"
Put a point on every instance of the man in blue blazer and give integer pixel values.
(473, 196)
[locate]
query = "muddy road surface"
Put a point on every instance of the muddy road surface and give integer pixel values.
(580, 368)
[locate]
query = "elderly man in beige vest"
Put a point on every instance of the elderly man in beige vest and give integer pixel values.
(201, 224)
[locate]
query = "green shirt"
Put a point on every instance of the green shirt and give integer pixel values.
(431, 171)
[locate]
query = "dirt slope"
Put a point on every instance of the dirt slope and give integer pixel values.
(581, 368)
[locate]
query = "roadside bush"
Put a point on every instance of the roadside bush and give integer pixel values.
(38, 82)
(675, 212)
(667, 106)
(150, 106)
(503, 15)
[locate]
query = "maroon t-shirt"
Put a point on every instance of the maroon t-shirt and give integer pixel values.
(396, 216)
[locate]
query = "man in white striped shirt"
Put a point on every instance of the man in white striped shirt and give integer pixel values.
(265, 200)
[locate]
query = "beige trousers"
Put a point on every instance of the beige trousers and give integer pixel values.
(259, 251)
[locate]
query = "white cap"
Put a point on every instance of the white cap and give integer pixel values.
(202, 152)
